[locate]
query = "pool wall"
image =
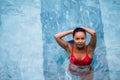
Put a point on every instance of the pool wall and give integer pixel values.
(28, 50)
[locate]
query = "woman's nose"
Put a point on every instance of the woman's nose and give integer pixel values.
(80, 41)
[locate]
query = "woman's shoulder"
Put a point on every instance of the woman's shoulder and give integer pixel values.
(90, 50)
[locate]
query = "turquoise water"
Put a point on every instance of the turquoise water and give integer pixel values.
(28, 50)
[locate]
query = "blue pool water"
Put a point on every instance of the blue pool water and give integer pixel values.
(28, 50)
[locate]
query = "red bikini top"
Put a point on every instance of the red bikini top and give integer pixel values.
(86, 61)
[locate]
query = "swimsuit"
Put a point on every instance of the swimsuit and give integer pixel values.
(80, 66)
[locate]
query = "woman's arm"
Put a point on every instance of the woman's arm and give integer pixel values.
(58, 37)
(93, 39)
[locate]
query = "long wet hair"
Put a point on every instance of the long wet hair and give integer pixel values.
(79, 30)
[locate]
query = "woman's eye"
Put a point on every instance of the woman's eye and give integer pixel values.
(82, 38)
(77, 38)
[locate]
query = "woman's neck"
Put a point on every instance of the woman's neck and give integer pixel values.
(80, 49)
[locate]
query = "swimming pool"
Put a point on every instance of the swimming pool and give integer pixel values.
(28, 50)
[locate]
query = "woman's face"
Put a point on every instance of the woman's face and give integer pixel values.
(79, 39)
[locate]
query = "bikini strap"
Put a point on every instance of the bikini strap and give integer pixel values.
(72, 49)
(86, 48)
(71, 52)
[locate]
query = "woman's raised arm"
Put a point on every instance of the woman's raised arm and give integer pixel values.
(93, 39)
(64, 44)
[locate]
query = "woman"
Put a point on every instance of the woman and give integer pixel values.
(80, 54)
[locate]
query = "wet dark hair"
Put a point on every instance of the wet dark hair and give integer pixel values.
(79, 30)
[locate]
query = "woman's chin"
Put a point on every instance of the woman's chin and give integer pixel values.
(80, 47)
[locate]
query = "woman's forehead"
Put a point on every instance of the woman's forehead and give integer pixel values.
(79, 34)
